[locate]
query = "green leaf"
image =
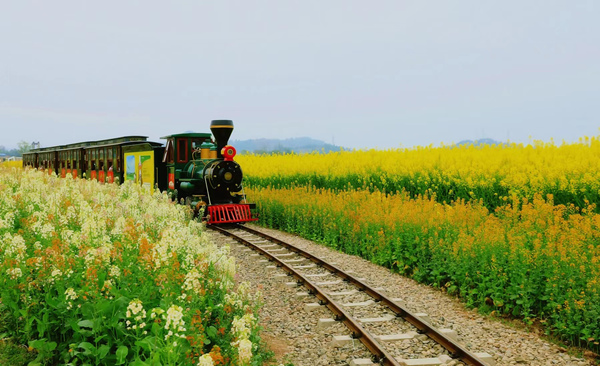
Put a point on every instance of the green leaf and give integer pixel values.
(86, 324)
(121, 354)
(138, 362)
(212, 332)
(41, 326)
(51, 301)
(103, 351)
(143, 344)
(51, 346)
(99, 338)
(101, 278)
(104, 306)
(89, 349)
(74, 326)
(87, 309)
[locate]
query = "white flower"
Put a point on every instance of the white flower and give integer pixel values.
(241, 326)
(56, 272)
(18, 247)
(192, 281)
(14, 273)
(174, 318)
(135, 307)
(205, 360)
(71, 294)
(114, 271)
(245, 350)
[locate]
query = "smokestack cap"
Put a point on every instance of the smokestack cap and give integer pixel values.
(221, 130)
(221, 123)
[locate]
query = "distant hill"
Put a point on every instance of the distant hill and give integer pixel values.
(479, 142)
(298, 144)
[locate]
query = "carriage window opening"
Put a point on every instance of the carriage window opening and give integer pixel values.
(182, 150)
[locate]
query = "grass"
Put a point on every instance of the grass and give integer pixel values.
(12, 354)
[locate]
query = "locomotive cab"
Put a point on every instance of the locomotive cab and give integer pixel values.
(181, 151)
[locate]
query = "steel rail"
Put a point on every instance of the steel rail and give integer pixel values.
(381, 355)
(456, 350)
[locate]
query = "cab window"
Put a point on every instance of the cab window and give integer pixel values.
(182, 150)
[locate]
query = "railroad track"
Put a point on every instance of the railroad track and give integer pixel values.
(309, 271)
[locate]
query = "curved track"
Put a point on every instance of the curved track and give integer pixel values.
(249, 238)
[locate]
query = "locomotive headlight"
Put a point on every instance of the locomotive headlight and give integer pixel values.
(228, 152)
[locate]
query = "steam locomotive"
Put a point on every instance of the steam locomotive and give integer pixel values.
(192, 167)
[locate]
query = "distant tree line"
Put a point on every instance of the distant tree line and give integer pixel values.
(22, 147)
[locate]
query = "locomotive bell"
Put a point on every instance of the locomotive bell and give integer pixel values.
(221, 130)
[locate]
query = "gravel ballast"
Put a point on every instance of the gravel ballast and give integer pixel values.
(293, 335)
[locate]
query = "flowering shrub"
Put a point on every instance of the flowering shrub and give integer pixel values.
(113, 275)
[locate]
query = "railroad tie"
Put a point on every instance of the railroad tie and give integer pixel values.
(341, 341)
(284, 255)
(361, 362)
(329, 283)
(326, 323)
(312, 306)
(343, 293)
(267, 246)
(357, 304)
(396, 337)
(276, 250)
(377, 320)
(299, 260)
(426, 361)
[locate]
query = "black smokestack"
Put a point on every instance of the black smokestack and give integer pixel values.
(221, 130)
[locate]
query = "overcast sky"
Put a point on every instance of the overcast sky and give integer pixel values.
(359, 73)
